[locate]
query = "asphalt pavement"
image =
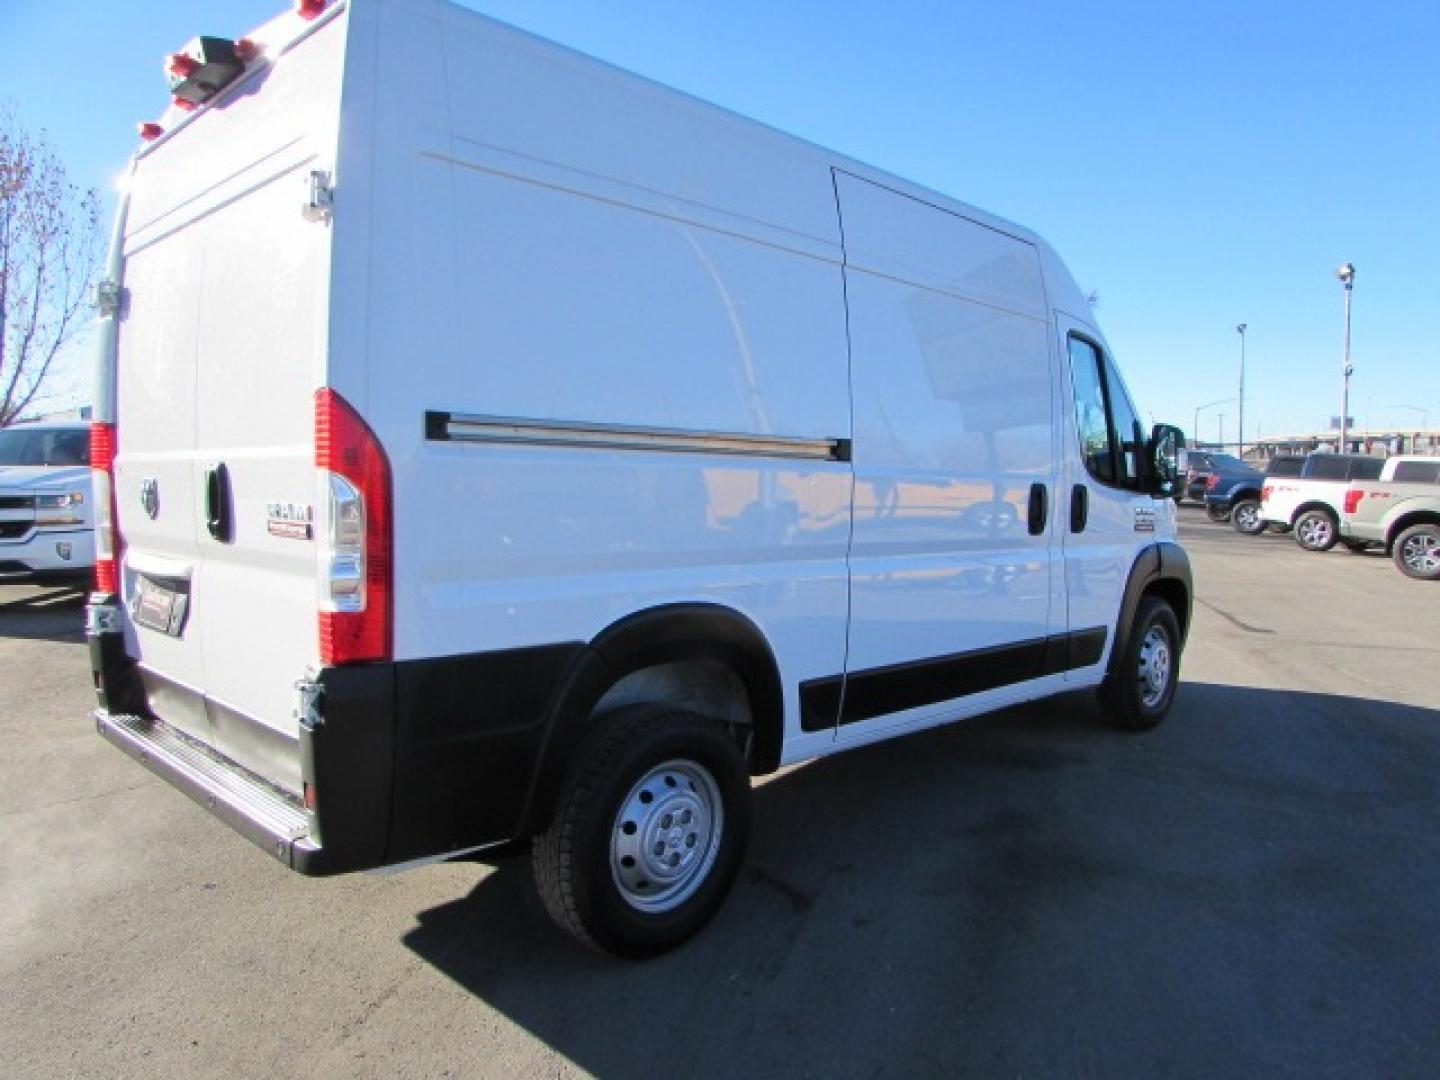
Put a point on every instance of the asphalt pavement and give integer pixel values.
(1249, 890)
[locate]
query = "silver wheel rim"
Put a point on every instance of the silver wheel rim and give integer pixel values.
(666, 836)
(1422, 553)
(1154, 671)
(1315, 531)
(1245, 516)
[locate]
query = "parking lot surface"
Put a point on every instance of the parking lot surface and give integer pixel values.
(1251, 889)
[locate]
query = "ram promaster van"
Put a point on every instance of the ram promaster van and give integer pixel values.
(507, 449)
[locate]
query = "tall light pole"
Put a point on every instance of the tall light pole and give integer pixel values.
(1424, 414)
(1240, 453)
(1195, 431)
(1346, 274)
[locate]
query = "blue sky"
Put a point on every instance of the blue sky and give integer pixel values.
(1198, 165)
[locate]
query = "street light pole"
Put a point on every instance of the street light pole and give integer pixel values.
(1346, 274)
(1240, 453)
(1195, 431)
(1424, 414)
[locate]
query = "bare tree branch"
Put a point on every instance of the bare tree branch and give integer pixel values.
(49, 252)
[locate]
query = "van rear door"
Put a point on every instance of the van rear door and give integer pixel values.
(220, 352)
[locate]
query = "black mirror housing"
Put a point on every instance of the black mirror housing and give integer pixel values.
(1162, 460)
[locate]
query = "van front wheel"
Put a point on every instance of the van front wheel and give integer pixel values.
(1139, 692)
(648, 833)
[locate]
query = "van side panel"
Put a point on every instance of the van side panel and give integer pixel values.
(954, 425)
(569, 245)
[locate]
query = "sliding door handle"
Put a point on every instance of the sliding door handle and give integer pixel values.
(1039, 508)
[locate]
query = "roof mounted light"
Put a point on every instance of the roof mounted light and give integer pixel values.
(202, 69)
(309, 9)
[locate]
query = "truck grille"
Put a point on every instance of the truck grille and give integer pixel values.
(11, 530)
(17, 502)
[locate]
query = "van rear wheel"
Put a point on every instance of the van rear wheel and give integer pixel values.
(1139, 692)
(648, 832)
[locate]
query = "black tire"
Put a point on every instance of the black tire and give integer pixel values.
(1133, 696)
(1417, 552)
(1317, 530)
(692, 763)
(1245, 517)
(1215, 513)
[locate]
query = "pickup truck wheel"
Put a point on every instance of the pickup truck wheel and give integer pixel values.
(1316, 530)
(1140, 691)
(648, 833)
(1216, 513)
(1246, 519)
(1417, 552)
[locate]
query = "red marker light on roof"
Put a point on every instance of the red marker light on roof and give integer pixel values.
(309, 9)
(246, 50)
(183, 104)
(150, 131)
(182, 66)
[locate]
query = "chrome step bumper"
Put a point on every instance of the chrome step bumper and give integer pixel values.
(248, 805)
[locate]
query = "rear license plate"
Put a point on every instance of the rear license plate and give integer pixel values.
(160, 607)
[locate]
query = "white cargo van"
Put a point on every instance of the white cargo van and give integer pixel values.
(504, 447)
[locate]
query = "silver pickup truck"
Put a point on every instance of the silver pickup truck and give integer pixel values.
(1403, 514)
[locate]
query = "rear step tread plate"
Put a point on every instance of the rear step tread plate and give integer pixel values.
(264, 815)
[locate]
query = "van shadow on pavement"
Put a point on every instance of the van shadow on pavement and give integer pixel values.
(50, 614)
(1249, 888)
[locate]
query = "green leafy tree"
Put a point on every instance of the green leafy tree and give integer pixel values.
(49, 250)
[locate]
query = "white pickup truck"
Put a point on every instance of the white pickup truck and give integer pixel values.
(1311, 504)
(46, 533)
(1403, 515)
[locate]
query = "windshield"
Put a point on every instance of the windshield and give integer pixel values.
(45, 446)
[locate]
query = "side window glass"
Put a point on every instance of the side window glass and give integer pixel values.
(1128, 435)
(1090, 415)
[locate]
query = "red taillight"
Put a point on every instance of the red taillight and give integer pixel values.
(102, 471)
(1265, 493)
(309, 9)
(357, 586)
(1352, 499)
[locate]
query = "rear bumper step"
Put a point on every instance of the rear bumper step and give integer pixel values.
(254, 809)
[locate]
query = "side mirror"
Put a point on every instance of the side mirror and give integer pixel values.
(1163, 460)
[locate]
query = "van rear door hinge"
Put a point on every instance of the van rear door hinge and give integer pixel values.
(307, 710)
(320, 206)
(108, 298)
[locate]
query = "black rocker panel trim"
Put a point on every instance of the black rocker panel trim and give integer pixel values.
(864, 695)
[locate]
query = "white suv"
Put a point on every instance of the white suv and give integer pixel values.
(45, 503)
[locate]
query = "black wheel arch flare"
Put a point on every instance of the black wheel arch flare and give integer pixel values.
(659, 635)
(1164, 569)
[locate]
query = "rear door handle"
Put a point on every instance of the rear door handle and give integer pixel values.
(1039, 508)
(217, 502)
(1079, 507)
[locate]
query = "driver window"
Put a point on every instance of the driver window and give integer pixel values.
(1111, 441)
